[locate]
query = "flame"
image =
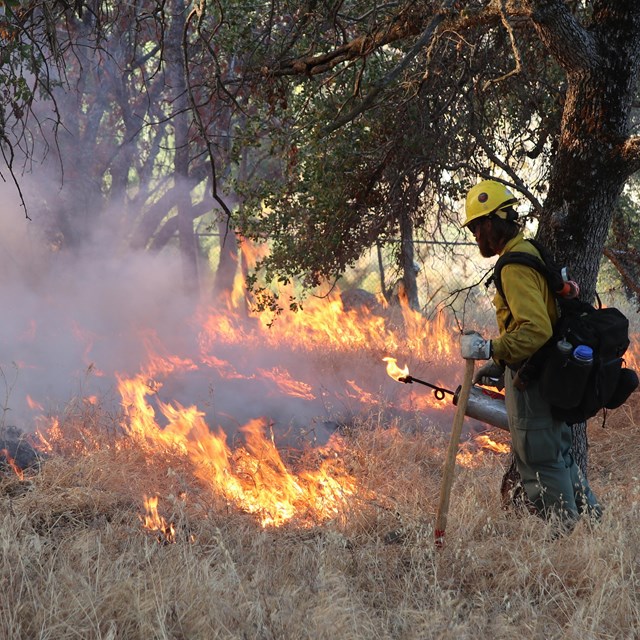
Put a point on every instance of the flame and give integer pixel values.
(287, 385)
(32, 404)
(252, 477)
(471, 453)
(224, 368)
(153, 521)
(12, 463)
(393, 370)
(427, 401)
(48, 433)
(360, 394)
(487, 443)
(162, 362)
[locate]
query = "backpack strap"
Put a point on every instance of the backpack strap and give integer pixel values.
(515, 257)
(544, 265)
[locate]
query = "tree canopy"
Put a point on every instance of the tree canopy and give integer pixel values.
(326, 128)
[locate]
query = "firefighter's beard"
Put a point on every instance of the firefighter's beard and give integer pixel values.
(489, 243)
(486, 246)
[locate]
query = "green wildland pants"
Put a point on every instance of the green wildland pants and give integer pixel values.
(541, 444)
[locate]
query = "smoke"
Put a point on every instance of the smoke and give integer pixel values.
(74, 320)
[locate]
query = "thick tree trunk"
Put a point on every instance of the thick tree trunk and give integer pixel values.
(227, 268)
(592, 162)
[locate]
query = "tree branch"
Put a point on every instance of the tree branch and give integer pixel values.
(627, 263)
(402, 26)
(392, 76)
(566, 39)
(514, 48)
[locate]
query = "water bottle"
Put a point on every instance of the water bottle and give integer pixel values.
(565, 374)
(554, 372)
(565, 348)
(583, 355)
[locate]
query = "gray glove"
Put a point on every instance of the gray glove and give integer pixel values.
(474, 347)
(490, 374)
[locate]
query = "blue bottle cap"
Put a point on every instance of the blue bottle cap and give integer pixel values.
(583, 352)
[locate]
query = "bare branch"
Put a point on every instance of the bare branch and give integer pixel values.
(393, 75)
(516, 181)
(514, 47)
(197, 118)
(402, 26)
(5, 146)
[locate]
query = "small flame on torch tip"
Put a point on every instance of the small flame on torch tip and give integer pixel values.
(394, 371)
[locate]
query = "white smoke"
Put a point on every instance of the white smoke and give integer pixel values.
(70, 318)
(73, 320)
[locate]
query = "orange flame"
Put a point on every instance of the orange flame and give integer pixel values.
(471, 453)
(252, 477)
(153, 521)
(32, 404)
(487, 443)
(286, 384)
(393, 370)
(48, 433)
(12, 463)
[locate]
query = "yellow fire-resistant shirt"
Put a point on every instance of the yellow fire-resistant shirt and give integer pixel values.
(526, 321)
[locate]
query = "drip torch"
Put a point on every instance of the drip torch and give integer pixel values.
(484, 405)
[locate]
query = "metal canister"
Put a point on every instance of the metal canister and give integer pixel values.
(485, 405)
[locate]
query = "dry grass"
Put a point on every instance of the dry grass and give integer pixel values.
(76, 562)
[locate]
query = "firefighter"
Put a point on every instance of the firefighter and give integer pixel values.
(525, 316)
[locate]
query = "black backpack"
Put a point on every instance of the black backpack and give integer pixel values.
(576, 389)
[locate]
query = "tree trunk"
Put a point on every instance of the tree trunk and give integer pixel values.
(407, 261)
(181, 119)
(227, 268)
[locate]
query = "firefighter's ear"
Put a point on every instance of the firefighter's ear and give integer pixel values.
(512, 214)
(506, 213)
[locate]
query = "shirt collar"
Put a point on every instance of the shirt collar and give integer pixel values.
(514, 241)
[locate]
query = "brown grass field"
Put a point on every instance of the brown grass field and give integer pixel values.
(77, 562)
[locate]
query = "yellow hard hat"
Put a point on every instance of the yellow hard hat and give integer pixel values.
(488, 196)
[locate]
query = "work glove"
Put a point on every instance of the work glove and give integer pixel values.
(474, 347)
(490, 374)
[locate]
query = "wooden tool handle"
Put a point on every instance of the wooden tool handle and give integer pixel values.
(450, 462)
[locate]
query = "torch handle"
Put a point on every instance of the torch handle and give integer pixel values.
(450, 462)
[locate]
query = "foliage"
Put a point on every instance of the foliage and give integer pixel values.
(339, 192)
(28, 47)
(323, 128)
